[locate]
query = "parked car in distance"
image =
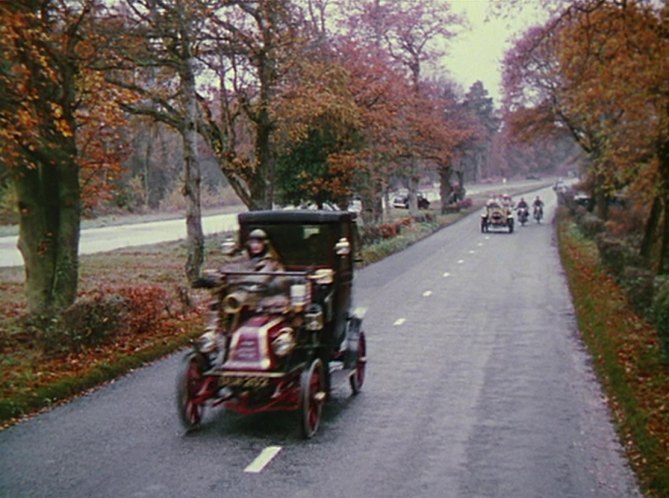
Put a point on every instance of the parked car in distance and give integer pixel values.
(402, 201)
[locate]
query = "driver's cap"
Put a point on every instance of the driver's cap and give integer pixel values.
(258, 234)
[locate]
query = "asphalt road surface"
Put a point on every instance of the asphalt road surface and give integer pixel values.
(477, 386)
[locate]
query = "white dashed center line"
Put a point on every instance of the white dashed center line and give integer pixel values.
(480, 244)
(263, 459)
(446, 274)
(460, 261)
(472, 252)
(399, 321)
(427, 293)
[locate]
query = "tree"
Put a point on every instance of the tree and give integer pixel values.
(256, 42)
(160, 39)
(47, 94)
(320, 133)
(409, 32)
(608, 62)
(479, 107)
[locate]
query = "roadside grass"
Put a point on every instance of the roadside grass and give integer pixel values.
(627, 358)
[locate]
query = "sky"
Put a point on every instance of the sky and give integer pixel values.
(476, 54)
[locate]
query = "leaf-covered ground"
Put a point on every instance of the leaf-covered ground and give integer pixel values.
(627, 357)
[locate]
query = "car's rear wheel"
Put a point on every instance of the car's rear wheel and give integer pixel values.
(312, 398)
(357, 377)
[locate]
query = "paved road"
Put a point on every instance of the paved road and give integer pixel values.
(477, 386)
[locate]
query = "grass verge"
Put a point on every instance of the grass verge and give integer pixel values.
(627, 358)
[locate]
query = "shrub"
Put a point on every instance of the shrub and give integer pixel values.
(90, 321)
(389, 230)
(661, 311)
(465, 203)
(616, 254)
(590, 225)
(100, 317)
(144, 307)
(369, 234)
(638, 284)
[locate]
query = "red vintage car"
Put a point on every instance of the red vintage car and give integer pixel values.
(283, 339)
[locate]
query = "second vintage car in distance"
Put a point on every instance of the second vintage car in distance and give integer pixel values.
(496, 215)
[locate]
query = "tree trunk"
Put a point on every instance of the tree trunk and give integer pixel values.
(650, 231)
(192, 178)
(445, 188)
(663, 260)
(663, 263)
(49, 207)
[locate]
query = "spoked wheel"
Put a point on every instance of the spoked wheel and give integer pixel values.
(190, 381)
(357, 377)
(312, 397)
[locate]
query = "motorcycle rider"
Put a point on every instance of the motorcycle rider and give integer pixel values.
(538, 204)
(522, 203)
(522, 209)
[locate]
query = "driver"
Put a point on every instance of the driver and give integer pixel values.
(522, 203)
(261, 254)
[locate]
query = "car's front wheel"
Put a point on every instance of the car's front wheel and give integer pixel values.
(312, 398)
(190, 383)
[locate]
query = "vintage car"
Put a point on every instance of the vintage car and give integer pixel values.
(496, 215)
(282, 340)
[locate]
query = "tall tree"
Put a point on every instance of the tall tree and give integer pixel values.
(479, 106)
(257, 40)
(608, 66)
(47, 50)
(160, 39)
(411, 32)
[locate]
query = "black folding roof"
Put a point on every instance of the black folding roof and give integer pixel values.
(294, 216)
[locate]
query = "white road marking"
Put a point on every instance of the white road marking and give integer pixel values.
(263, 459)
(427, 293)
(480, 244)
(399, 321)
(472, 252)
(487, 237)
(460, 261)
(446, 274)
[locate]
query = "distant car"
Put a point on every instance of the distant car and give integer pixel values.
(533, 177)
(583, 199)
(355, 206)
(402, 201)
(496, 215)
